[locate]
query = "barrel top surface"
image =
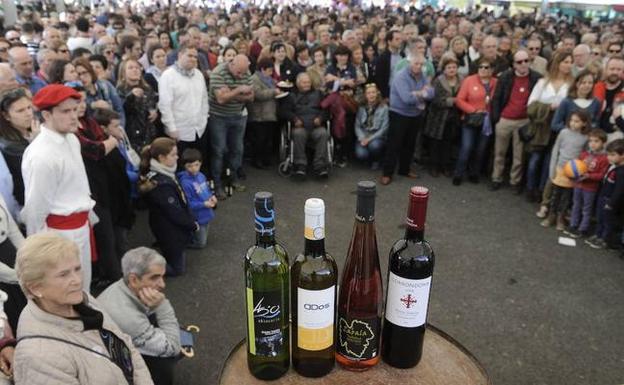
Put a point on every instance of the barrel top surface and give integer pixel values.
(444, 362)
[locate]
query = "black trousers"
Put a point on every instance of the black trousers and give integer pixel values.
(161, 368)
(261, 135)
(401, 141)
(108, 263)
(441, 150)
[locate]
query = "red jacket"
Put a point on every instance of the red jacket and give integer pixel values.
(600, 93)
(597, 166)
(471, 95)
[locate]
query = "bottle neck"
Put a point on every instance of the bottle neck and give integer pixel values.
(265, 239)
(314, 248)
(413, 234)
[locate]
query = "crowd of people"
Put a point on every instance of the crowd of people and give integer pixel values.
(104, 112)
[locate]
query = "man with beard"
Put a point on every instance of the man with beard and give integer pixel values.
(610, 92)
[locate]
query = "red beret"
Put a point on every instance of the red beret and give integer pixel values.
(53, 95)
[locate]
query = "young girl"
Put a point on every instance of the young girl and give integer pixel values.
(170, 220)
(568, 146)
(586, 187)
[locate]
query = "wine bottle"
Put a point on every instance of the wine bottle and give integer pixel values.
(361, 290)
(266, 281)
(410, 268)
(314, 276)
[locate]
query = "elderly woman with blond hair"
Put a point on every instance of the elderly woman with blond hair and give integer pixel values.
(63, 335)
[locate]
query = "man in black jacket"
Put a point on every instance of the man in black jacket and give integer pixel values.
(509, 113)
(303, 110)
(387, 62)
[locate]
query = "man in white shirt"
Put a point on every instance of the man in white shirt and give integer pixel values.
(82, 39)
(57, 195)
(183, 102)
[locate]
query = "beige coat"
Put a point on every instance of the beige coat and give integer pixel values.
(41, 361)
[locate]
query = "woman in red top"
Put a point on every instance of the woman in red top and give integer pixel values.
(473, 97)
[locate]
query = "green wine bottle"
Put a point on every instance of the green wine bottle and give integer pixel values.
(314, 276)
(266, 281)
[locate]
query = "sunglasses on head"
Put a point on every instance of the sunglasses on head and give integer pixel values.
(522, 61)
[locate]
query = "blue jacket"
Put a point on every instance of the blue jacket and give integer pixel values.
(402, 101)
(197, 191)
(380, 123)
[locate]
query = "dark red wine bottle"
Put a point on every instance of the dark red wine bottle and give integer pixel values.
(410, 268)
(360, 302)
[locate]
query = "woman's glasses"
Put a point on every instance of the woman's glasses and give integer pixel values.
(522, 61)
(484, 67)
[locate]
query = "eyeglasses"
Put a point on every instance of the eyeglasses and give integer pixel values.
(534, 48)
(484, 67)
(522, 61)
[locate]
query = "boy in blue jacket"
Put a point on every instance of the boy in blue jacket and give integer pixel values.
(201, 199)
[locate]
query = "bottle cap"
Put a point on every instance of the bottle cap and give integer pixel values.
(264, 214)
(417, 209)
(365, 210)
(314, 227)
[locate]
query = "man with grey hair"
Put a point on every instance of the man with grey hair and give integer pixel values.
(489, 50)
(349, 38)
(45, 57)
(581, 54)
(138, 306)
(22, 64)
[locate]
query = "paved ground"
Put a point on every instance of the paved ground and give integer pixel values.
(532, 311)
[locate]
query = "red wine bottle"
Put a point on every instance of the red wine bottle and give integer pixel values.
(410, 268)
(361, 292)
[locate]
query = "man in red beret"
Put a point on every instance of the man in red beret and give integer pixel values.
(57, 194)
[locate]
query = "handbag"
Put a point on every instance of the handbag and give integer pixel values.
(526, 133)
(475, 120)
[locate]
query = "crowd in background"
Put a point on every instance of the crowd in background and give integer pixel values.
(106, 112)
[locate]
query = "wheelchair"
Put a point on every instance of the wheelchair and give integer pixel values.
(287, 150)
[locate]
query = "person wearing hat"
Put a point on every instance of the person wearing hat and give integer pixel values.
(57, 195)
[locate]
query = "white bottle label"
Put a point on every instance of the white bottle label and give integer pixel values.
(315, 318)
(407, 301)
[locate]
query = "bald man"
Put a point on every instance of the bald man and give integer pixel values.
(230, 89)
(7, 78)
(22, 65)
(52, 38)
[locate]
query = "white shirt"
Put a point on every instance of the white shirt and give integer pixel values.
(183, 103)
(55, 180)
(544, 92)
(80, 42)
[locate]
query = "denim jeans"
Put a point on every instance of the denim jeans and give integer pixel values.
(472, 152)
(373, 151)
(200, 237)
(582, 208)
(226, 136)
(534, 176)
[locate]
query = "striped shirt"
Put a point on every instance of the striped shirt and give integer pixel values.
(221, 77)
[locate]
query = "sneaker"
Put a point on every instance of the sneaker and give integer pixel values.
(543, 211)
(495, 186)
(220, 194)
(572, 232)
(322, 173)
(300, 171)
(597, 243)
(457, 181)
(342, 163)
(238, 187)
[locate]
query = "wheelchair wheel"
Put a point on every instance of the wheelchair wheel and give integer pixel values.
(283, 145)
(284, 168)
(330, 152)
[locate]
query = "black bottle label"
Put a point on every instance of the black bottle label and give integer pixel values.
(264, 320)
(358, 338)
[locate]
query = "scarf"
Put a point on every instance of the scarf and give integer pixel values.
(183, 72)
(487, 123)
(161, 168)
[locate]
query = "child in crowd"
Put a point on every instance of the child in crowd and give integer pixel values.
(610, 199)
(170, 220)
(586, 187)
(201, 199)
(110, 121)
(568, 146)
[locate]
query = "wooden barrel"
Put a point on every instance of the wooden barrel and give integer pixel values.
(444, 362)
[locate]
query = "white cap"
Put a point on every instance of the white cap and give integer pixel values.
(314, 219)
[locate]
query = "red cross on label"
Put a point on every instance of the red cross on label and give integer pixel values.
(408, 301)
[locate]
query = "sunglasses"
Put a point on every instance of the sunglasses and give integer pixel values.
(522, 61)
(534, 48)
(615, 50)
(484, 67)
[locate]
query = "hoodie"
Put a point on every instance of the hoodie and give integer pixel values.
(197, 192)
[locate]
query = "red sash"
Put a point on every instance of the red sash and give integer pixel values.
(72, 222)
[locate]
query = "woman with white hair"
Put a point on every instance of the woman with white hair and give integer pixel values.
(63, 335)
